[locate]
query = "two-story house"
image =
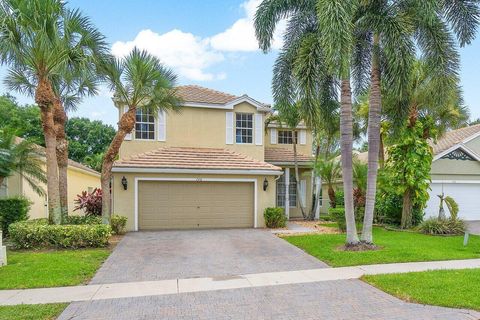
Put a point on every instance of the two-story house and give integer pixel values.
(210, 165)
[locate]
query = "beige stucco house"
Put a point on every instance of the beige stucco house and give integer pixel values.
(455, 172)
(80, 178)
(211, 165)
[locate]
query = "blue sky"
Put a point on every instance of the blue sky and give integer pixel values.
(209, 43)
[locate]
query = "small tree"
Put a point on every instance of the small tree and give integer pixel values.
(330, 171)
(407, 170)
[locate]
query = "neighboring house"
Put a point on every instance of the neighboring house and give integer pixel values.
(80, 178)
(455, 172)
(211, 165)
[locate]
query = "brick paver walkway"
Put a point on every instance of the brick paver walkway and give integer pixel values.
(332, 300)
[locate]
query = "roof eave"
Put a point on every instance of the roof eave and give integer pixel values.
(125, 169)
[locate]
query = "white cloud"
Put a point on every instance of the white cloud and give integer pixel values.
(186, 53)
(241, 35)
(190, 55)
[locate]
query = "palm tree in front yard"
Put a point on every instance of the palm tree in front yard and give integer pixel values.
(41, 41)
(139, 82)
(22, 157)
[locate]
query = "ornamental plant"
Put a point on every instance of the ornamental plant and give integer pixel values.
(407, 170)
(90, 203)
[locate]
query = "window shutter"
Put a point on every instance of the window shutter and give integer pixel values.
(303, 191)
(258, 129)
(229, 127)
(303, 137)
(273, 136)
(162, 132)
(128, 136)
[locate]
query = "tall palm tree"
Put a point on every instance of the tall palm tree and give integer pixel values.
(22, 157)
(41, 40)
(140, 82)
(311, 38)
(395, 29)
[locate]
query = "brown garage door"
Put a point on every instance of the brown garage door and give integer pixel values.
(193, 205)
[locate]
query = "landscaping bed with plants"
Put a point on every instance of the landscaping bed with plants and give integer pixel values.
(395, 246)
(448, 288)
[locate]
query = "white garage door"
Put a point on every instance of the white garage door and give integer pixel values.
(467, 195)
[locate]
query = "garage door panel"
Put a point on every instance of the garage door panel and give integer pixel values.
(465, 194)
(190, 205)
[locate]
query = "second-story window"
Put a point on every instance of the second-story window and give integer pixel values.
(244, 127)
(286, 136)
(144, 125)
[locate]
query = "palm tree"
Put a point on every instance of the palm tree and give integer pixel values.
(314, 57)
(393, 29)
(22, 157)
(41, 40)
(140, 82)
(330, 171)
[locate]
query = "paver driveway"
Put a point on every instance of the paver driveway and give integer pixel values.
(185, 254)
(147, 256)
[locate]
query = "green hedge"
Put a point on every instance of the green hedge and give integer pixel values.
(275, 218)
(83, 220)
(38, 234)
(12, 210)
(338, 215)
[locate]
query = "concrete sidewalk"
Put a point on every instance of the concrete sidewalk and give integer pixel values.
(176, 286)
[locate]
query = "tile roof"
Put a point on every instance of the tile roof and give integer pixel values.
(194, 158)
(198, 94)
(281, 155)
(71, 163)
(454, 137)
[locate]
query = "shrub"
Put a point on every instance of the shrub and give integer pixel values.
(90, 203)
(437, 226)
(339, 198)
(275, 218)
(388, 209)
(118, 224)
(83, 220)
(12, 210)
(338, 215)
(38, 234)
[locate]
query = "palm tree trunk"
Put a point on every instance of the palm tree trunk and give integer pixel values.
(407, 210)
(331, 196)
(381, 152)
(60, 118)
(373, 142)
(125, 126)
(297, 175)
(346, 132)
(44, 97)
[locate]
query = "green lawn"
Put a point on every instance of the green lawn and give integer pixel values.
(448, 288)
(32, 311)
(396, 246)
(34, 269)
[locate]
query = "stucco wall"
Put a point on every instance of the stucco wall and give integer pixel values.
(197, 127)
(78, 181)
(455, 169)
(124, 200)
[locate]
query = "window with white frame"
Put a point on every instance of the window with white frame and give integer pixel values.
(144, 125)
(292, 191)
(286, 136)
(244, 127)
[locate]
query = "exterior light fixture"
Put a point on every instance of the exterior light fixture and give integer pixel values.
(124, 183)
(265, 184)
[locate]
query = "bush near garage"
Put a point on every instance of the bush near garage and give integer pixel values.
(13, 209)
(38, 234)
(275, 218)
(118, 224)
